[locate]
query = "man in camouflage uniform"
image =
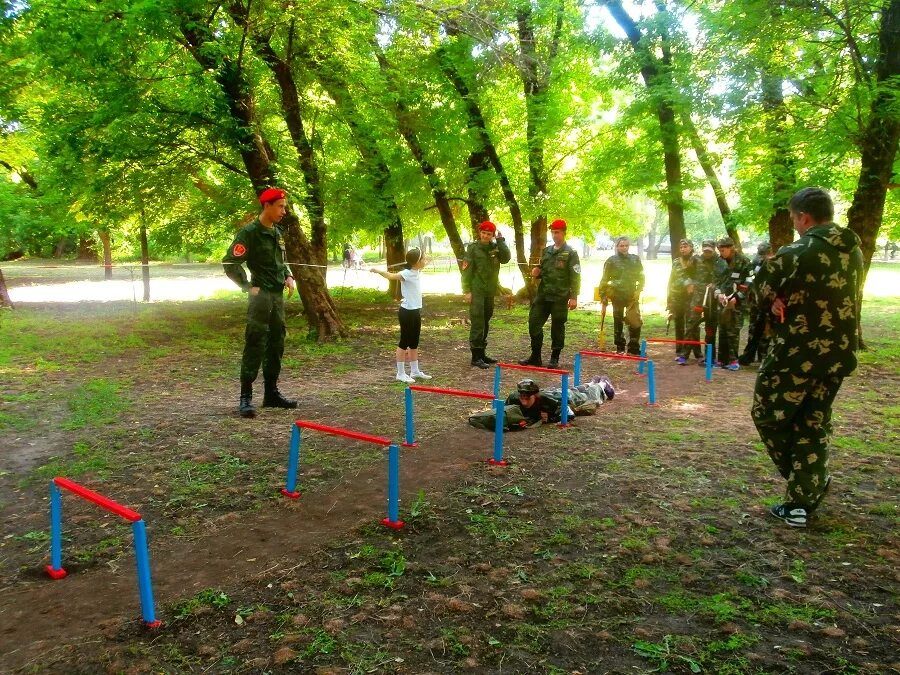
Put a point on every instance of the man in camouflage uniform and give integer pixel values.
(560, 282)
(703, 304)
(261, 246)
(622, 283)
(678, 300)
(814, 287)
(732, 272)
(480, 279)
(757, 339)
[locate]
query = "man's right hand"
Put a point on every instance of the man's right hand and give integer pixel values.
(535, 272)
(468, 297)
(254, 290)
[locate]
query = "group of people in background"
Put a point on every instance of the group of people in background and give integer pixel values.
(807, 296)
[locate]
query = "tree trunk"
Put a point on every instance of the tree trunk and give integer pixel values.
(107, 253)
(86, 249)
(4, 293)
(784, 181)
(658, 81)
(879, 140)
(145, 259)
(318, 307)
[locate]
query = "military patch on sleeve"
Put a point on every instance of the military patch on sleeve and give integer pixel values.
(576, 269)
(238, 250)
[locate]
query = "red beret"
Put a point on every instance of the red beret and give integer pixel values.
(487, 226)
(558, 225)
(271, 195)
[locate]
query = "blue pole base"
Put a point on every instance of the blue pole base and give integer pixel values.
(414, 444)
(498, 462)
(56, 574)
(288, 493)
(393, 524)
(560, 425)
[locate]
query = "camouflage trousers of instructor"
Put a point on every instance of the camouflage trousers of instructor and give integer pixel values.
(481, 310)
(793, 417)
(264, 337)
(558, 311)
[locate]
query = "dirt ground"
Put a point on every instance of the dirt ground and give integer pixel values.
(636, 540)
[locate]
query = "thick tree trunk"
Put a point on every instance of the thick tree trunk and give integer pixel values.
(655, 74)
(478, 165)
(145, 259)
(784, 181)
(318, 307)
(4, 293)
(86, 249)
(879, 140)
(107, 253)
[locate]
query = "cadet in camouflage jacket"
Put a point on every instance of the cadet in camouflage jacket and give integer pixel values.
(480, 280)
(703, 303)
(814, 286)
(622, 283)
(682, 281)
(732, 272)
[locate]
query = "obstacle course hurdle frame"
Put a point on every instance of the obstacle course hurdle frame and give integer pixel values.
(138, 528)
(393, 509)
(499, 411)
(564, 376)
(705, 348)
(651, 371)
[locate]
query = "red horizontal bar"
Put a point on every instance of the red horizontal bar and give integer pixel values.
(451, 392)
(677, 342)
(610, 355)
(516, 366)
(98, 499)
(337, 431)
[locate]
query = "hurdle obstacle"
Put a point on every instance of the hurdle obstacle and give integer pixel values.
(138, 528)
(707, 352)
(651, 372)
(499, 409)
(564, 413)
(393, 509)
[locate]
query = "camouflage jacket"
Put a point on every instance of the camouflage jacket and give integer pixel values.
(262, 249)
(683, 276)
(731, 277)
(623, 276)
(706, 274)
(481, 266)
(819, 278)
(560, 273)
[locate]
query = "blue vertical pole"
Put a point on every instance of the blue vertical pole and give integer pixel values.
(290, 488)
(499, 412)
(651, 383)
(145, 586)
(577, 369)
(643, 353)
(496, 381)
(393, 519)
(410, 433)
(709, 353)
(55, 527)
(564, 420)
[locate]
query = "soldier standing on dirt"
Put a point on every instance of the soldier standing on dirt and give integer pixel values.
(678, 300)
(261, 246)
(814, 287)
(560, 282)
(757, 340)
(732, 288)
(622, 284)
(480, 279)
(702, 310)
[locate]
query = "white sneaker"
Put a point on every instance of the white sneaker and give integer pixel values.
(421, 376)
(405, 378)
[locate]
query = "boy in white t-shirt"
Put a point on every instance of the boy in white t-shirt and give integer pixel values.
(409, 315)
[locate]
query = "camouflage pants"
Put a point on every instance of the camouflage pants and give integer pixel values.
(627, 312)
(792, 414)
(264, 337)
(731, 320)
(481, 309)
(558, 312)
(685, 328)
(693, 328)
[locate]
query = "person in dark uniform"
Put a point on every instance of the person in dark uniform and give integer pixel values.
(757, 338)
(560, 282)
(480, 279)
(534, 406)
(732, 272)
(678, 300)
(703, 303)
(260, 246)
(622, 284)
(814, 287)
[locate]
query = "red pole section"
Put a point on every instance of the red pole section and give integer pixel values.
(337, 431)
(452, 392)
(677, 342)
(98, 499)
(610, 355)
(516, 366)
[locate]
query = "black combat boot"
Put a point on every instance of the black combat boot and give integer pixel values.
(274, 399)
(554, 359)
(533, 360)
(478, 359)
(246, 407)
(487, 359)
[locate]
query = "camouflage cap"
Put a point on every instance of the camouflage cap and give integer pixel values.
(709, 245)
(725, 241)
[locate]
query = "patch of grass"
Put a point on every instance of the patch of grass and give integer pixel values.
(782, 613)
(88, 459)
(661, 654)
(209, 597)
(95, 403)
